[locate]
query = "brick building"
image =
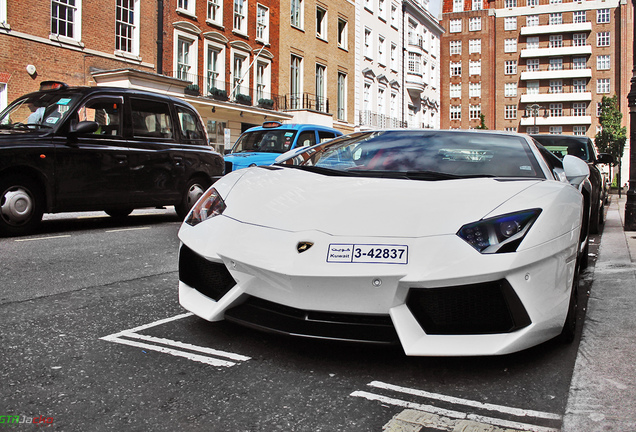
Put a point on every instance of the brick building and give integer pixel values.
(534, 66)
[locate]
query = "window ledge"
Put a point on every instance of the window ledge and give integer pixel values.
(5, 25)
(240, 33)
(127, 55)
(263, 42)
(215, 24)
(186, 12)
(66, 41)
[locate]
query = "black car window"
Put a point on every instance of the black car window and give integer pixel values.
(306, 138)
(325, 136)
(151, 118)
(106, 111)
(190, 126)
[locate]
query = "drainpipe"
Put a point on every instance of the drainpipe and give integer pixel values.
(160, 37)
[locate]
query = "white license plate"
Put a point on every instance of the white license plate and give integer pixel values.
(368, 253)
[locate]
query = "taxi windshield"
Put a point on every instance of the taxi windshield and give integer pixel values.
(36, 111)
(268, 141)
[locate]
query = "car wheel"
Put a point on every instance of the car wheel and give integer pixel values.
(119, 213)
(194, 189)
(21, 205)
(584, 259)
(569, 327)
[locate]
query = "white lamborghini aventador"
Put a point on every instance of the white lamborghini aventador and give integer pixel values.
(446, 242)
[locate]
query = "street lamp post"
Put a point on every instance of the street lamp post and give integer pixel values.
(630, 204)
(534, 109)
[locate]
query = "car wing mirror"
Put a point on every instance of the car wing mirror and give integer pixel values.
(576, 170)
(605, 158)
(83, 127)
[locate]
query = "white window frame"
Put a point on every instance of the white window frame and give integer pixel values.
(382, 9)
(242, 75)
(343, 36)
(556, 41)
(510, 89)
(187, 6)
(510, 4)
(474, 67)
(321, 26)
(239, 16)
(296, 84)
(556, 86)
(217, 80)
(532, 42)
(602, 85)
(132, 28)
(556, 130)
(556, 64)
(3, 24)
(297, 12)
(579, 39)
(76, 21)
(455, 68)
(532, 20)
(262, 23)
(214, 12)
(556, 18)
(455, 112)
(603, 39)
(474, 89)
(579, 63)
(474, 112)
(455, 90)
(263, 79)
(341, 108)
(556, 110)
(579, 130)
(477, 4)
(191, 62)
(579, 17)
(381, 50)
(455, 47)
(510, 112)
(368, 43)
(474, 24)
(579, 85)
(321, 87)
(393, 16)
(458, 5)
(532, 2)
(532, 87)
(603, 62)
(474, 46)
(510, 23)
(394, 60)
(510, 67)
(455, 26)
(602, 16)
(510, 45)
(579, 109)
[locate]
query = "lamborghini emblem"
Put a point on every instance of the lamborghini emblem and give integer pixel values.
(303, 246)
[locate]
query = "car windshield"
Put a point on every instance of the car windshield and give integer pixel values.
(425, 155)
(269, 141)
(566, 145)
(38, 110)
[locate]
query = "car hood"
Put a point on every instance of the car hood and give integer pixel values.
(295, 200)
(243, 160)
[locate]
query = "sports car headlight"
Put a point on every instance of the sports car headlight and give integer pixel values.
(209, 205)
(499, 234)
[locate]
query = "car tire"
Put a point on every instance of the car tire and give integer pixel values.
(119, 213)
(595, 220)
(584, 259)
(21, 205)
(568, 332)
(193, 191)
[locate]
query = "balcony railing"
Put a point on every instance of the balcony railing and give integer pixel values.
(380, 121)
(303, 101)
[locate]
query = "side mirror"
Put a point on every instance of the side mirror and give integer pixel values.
(605, 158)
(576, 170)
(83, 127)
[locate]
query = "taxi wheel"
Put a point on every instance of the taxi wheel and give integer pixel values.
(194, 189)
(21, 205)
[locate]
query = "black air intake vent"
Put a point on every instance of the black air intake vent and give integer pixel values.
(209, 278)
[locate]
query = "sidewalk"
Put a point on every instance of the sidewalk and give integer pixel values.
(603, 389)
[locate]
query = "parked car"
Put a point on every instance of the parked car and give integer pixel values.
(447, 242)
(261, 145)
(582, 147)
(99, 148)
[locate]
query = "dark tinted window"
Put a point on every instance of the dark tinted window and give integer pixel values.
(107, 112)
(151, 118)
(191, 126)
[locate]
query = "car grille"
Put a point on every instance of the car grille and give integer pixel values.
(209, 278)
(485, 308)
(265, 315)
(228, 167)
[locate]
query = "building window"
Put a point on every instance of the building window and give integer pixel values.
(558, 130)
(510, 23)
(474, 46)
(532, 42)
(510, 67)
(556, 18)
(602, 16)
(510, 112)
(65, 18)
(556, 86)
(579, 109)
(579, 130)
(603, 39)
(381, 10)
(602, 62)
(296, 81)
(458, 5)
(474, 24)
(474, 111)
(381, 51)
(455, 68)
(556, 110)
(579, 85)
(215, 12)
(321, 23)
(455, 90)
(368, 44)
(240, 17)
(342, 34)
(186, 6)
(510, 3)
(414, 62)
(510, 89)
(474, 89)
(262, 81)
(478, 5)
(532, 2)
(455, 47)
(126, 25)
(532, 87)
(297, 9)
(579, 17)
(342, 96)
(579, 39)
(394, 15)
(474, 67)
(366, 97)
(532, 20)
(455, 112)
(556, 1)
(455, 26)
(510, 45)
(185, 54)
(321, 72)
(579, 63)
(556, 41)
(556, 64)
(262, 23)
(394, 58)
(240, 79)
(602, 85)
(381, 102)
(214, 68)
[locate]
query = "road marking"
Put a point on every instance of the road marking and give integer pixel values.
(162, 345)
(42, 238)
(444, 417)
(128, 229)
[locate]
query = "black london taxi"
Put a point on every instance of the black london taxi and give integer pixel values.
(100, 148)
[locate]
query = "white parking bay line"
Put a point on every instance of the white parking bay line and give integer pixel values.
(42, 238)
(127, 229)
(169, 346)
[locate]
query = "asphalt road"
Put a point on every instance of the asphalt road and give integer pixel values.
(93, 338)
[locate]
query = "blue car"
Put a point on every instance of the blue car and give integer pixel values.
(261, 145)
